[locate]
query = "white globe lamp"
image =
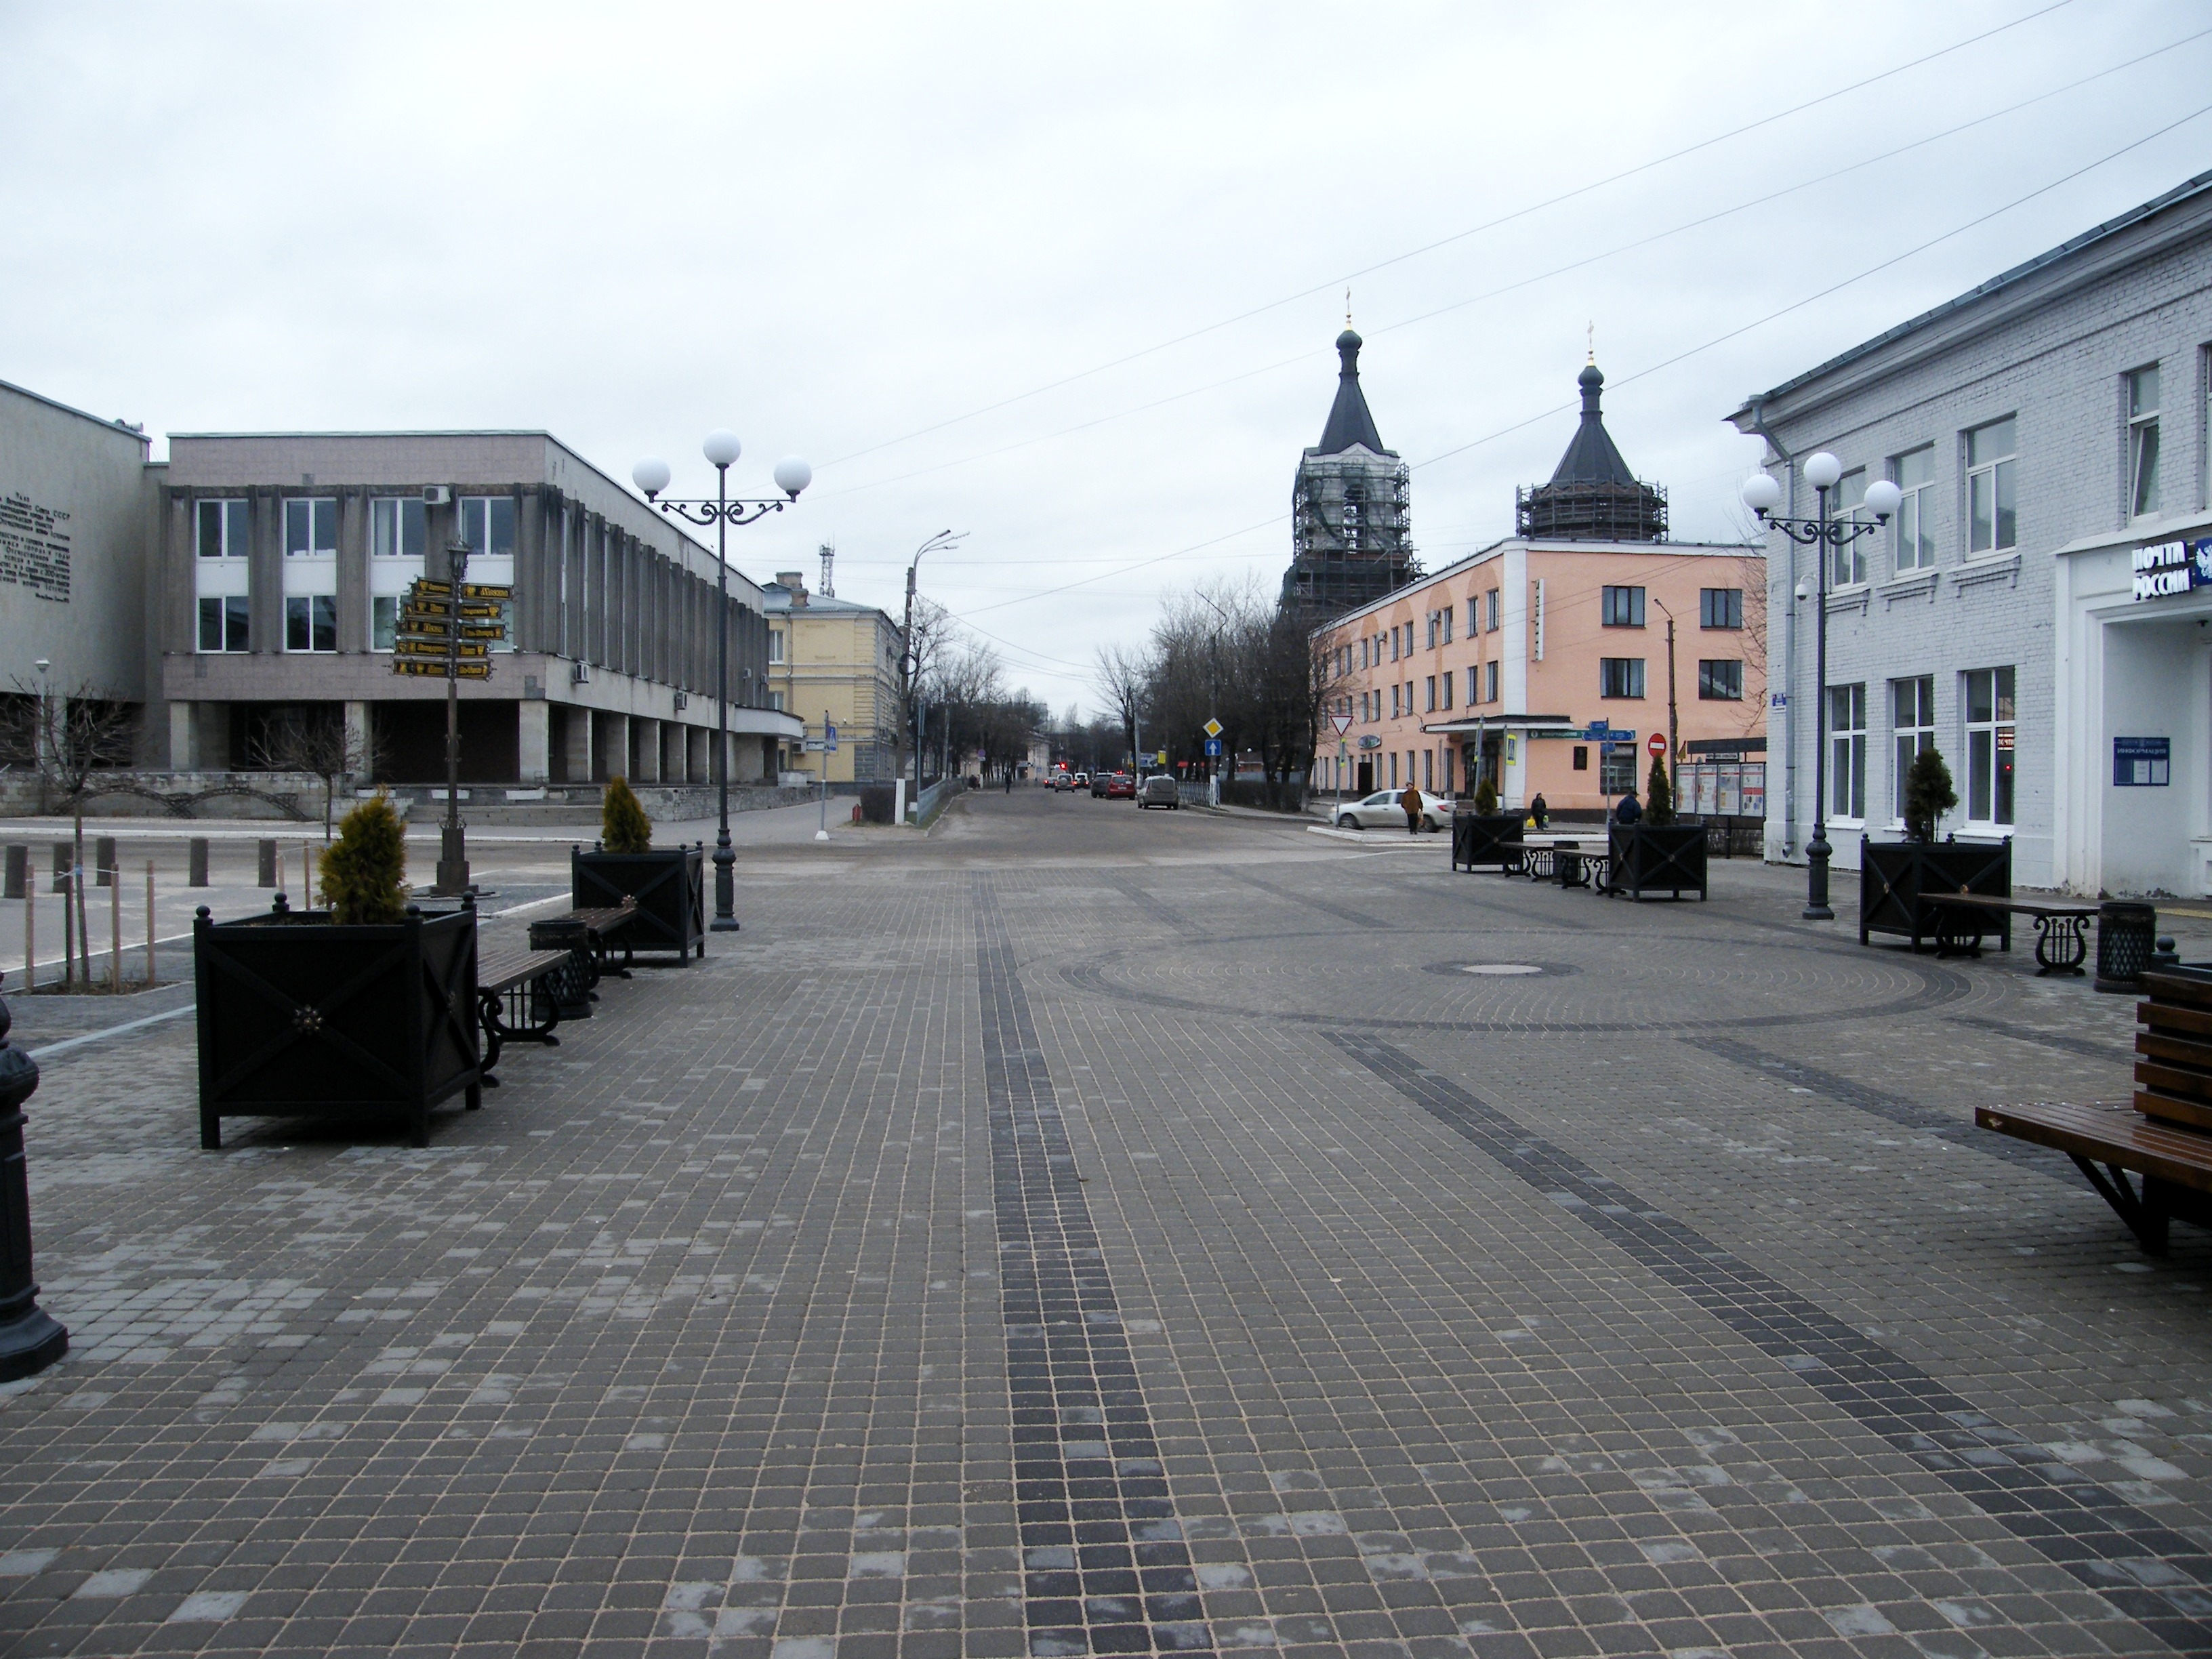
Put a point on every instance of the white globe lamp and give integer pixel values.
(1761, 494)
(793, 475)
(651, 475)
(1822, 469)
(721, 448)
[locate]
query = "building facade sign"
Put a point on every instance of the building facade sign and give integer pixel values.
(2172, 568)
(2141, 763)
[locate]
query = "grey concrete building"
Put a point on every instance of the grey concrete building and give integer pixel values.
(2049, 431)
(76, 517)
(279, 561)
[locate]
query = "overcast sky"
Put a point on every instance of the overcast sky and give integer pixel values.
(863, 235)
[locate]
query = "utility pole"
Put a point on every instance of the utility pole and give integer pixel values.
(909, 663)
(1674, 734)
(453, 843)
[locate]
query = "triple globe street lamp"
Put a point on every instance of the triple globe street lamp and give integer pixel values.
(1829, 535)
(651, 475)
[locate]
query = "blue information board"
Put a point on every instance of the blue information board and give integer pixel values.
(2141, 763)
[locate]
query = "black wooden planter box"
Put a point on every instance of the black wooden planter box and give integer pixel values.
(301, 1018)
(668, 883)
(1475, 836)
(1657, 858)
(1893, 874)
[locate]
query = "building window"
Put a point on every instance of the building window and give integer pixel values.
(1847, 751)
(776, 701)
(1473, 617)
(1989, 746)
(1429, 691)
(1445, 678)
(222, 535)
(774, 646)
(223, 530)
(223, 623)
(1992, 519)
(1490, 682)
(1721, 681)
(1394, 701)
(1911, 532)
(395, 528)
(2143, 442)
(1616, 769)
(1621, 677)
(1621, 607)
(1720, 607)
(1490, 604)
(1912, 729)
(311, 529)
(311, 621)
(1582, 757)
(1847, 563)
(488, 526)
(1446, 617)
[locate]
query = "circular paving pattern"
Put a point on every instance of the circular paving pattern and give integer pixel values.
(1614, 982)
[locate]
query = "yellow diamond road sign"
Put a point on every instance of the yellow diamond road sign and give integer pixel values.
(1212, 728)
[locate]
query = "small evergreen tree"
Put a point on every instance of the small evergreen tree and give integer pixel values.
(364, 870)
(1658, 794)
(1928, 794)
(1485, 798)
(623, 826)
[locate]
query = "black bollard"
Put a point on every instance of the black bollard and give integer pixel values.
(30, 1338)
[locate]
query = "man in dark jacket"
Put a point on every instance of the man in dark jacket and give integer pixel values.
(1540, 812)
(1411, 800)
(1628, 811)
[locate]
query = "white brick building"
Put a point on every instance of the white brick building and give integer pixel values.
(2046, 427)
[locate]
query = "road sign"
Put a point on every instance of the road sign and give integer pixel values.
(409, 645)
(1160, 759)
(1599, 731)
(830, 737)
(1371, 741)
(1656, 744)
(1214, 748)
(1341, 722)
(811, 745)
(1212, 728)
(462, 671)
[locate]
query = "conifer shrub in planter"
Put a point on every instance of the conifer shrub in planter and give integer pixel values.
(668, 883)
(1657, 853)
(1476, 834)
(1894, 875)
(366, 1009)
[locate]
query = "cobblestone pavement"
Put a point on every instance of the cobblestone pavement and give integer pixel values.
(1084, 1230)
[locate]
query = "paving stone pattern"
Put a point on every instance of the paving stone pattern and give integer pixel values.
(1083, 1230)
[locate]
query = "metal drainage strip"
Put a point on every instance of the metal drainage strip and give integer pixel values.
(2152, 1573)
(1104, 1566)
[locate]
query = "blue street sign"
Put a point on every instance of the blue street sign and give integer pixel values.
(1212, 748)
(1599, 731)
(830, 737)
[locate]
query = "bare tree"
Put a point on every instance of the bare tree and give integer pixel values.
(1119, 677)
(69, 738)
(317, 741)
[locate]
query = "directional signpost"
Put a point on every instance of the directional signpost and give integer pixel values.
(825, 746)
(446, 631)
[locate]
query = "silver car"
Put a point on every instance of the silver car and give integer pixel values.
(1159, 790)
(1380, 811)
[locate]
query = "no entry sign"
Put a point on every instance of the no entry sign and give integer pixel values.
(1656, 744)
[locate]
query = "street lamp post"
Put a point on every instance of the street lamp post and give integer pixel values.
(910, 659)
(793, 475)
(1827, 535)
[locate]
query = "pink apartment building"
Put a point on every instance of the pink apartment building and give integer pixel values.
(1543, 662)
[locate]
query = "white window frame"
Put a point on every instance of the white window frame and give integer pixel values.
(1847, 741)
(310, 525)
(1847, 566)
(1909, 737)
(1996, 476)
(478, 518)
(222, 577)
(392, 567)
(1987, 738)
(1912, 543)
(2145, 481)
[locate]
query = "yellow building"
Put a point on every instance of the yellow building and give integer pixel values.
(829, 656)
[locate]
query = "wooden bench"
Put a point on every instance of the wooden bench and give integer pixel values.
(518, 999)
(596, 932)
(1566, 857)
(2164, 1136)
(2061, 928)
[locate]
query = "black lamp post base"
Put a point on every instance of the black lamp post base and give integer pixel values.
(30, 1344)
(724, 924)
(1817, 853)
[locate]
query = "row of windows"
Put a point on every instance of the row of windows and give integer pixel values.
(1720, 680)
(1618, 607)
(1986, 700)
(396, 526)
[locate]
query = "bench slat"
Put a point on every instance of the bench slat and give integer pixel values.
(2172, 987)
(2110, 1134)
(2174, 1080)
(2160, 1045)
(2165, 1017)
(503, 970)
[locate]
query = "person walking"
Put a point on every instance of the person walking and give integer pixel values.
(1540, 812)
(1411, 800)
(1010, 780)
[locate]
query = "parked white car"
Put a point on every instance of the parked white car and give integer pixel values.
(1380, 811)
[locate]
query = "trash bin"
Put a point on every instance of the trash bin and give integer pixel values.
(570, 990)
(2127, 935)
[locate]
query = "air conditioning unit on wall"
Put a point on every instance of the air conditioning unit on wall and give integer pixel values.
(436, 495)
(579, 674)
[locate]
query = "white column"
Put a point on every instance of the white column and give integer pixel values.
(182, 756)
(576, 742)
(645, 740)
(535, 745)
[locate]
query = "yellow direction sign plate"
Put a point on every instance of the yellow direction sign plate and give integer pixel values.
(1212, 728)
(462, 671)
(408, 645)
(487, 591)
(423, 587)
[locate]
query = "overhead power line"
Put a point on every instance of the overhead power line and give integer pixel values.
(1337, 282)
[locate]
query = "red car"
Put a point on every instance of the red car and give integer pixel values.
(1120, 787)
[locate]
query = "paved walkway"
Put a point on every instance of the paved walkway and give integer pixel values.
(1086, 1231)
